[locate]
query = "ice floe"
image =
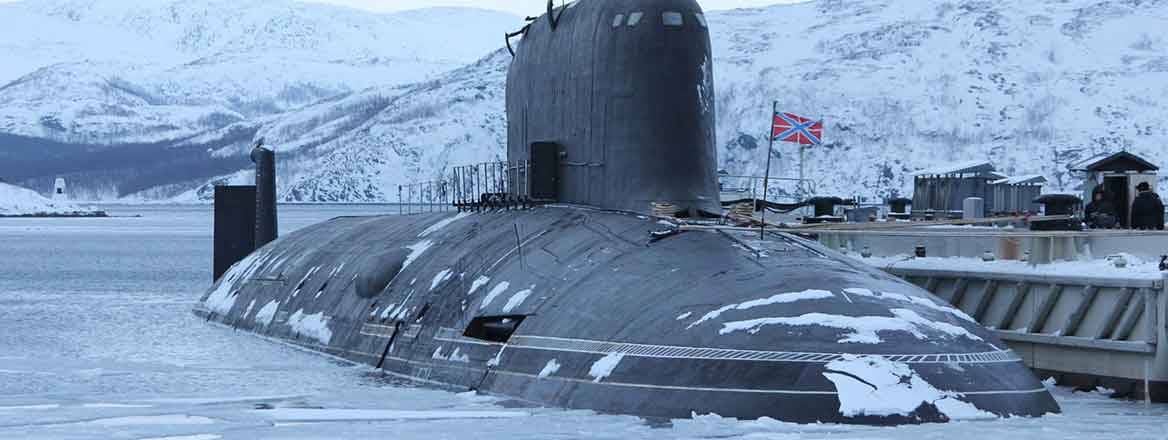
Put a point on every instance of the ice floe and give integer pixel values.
(875, 386)
(604, 366)
(164, 419)
(781, 298)
(304, 415)
(859, 329)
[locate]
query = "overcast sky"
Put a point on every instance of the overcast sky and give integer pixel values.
(527, 7)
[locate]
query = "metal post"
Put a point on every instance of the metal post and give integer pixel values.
(767, 178)
(399, 201)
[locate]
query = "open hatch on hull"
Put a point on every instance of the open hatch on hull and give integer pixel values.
(493, 328)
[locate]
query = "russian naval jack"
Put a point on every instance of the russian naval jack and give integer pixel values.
(584, 283)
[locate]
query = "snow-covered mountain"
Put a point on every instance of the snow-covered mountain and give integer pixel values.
(118, 71)
(902, 86)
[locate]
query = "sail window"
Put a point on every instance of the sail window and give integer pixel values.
(673, 19)
(701, 19)
(635, 18)
(618, 20)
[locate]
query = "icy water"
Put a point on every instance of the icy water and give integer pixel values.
(97, 342)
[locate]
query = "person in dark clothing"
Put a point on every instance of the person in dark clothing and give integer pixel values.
(1147, 211)
(1100, 213)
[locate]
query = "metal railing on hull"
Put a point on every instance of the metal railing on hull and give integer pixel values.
(479, 187)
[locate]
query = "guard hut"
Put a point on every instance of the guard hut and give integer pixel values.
(1118, 175)
(942, 191)
(1016, 195)
(59, 190)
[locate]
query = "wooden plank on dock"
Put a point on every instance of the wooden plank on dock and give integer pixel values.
(1038, 321)
(1076, 317)
(1113, 317)
(1020, 293)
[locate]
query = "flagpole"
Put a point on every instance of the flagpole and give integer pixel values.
(767, 178)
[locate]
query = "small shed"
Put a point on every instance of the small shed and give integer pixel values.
(59, 190)
(1117, 174)
(1016, 195)
(942, 190)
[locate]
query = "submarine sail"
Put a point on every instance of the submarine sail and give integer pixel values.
(589, 302)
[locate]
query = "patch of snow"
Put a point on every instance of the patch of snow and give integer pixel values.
(1137, 268)
(267, 313)
(781, 298)
(314, 326)
(249, 308)
(440, 278)
(604, 367)
(495, 292)
(478, 283)
(416, 250)
(459, 357)
(308, 275)
(442, 224)
(388, 311)
(550, 368)
(920, 301)
(516, 300)
(875, 386)
(222, 299)
(15, 200)
(684, 316)
(860, 329)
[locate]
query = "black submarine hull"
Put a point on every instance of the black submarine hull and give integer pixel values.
(583, 308)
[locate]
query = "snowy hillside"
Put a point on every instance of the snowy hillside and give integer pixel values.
(902, 86)
(17, 201)
(118, 71)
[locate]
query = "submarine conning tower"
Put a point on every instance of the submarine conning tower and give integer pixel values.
(618, 96)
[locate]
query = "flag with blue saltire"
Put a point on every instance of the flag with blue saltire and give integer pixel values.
(789, 127)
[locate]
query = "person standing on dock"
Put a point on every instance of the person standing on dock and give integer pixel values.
(1100, 213)
(1147, 211)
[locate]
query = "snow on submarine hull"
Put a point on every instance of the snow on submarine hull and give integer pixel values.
(585, 312)
(587, 303)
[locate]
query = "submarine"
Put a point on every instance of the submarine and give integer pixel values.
(613, 282)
